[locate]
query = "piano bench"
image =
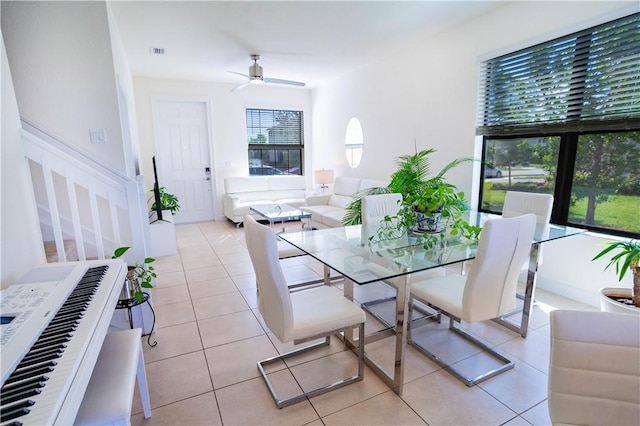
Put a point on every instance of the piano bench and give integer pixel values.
(109, 395)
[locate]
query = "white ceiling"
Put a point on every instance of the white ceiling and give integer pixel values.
(310, 41)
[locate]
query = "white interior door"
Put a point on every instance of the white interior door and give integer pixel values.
(183, 157)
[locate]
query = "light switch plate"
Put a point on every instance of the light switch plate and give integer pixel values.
(98, 135)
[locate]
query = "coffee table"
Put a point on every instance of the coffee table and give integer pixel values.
(280, 212)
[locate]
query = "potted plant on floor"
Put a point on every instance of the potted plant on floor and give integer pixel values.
(625, 256)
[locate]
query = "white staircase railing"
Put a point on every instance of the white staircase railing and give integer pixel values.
(83, 200)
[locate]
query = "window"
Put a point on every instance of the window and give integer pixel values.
(563, 117)
(275, 142)
(354, 143)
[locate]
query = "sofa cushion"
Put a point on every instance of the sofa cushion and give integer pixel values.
(287, 182)
(333, 218)
(341, 201)
(346, 186)
(233, 185)
(371, 183)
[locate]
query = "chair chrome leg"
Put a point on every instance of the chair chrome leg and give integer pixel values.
(507, 364)
(280, 403)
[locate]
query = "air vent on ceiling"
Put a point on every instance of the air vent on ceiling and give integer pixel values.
(157, 50)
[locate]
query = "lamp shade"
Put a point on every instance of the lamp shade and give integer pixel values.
(323, 176)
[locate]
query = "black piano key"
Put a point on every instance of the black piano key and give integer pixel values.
(38, 360)
(77, 299)
(62, 328)
(66, 310)
(56, 323)
(29, 368)
(51, 341)
(14, 411)
(67, 318)
(15, 377)
(37, 382)
(18, 396)
(35, 352)
(83, 291)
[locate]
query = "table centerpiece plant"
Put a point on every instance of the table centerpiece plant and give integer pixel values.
(429, 203)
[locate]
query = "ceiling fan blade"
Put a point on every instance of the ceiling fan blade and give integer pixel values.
(239, 73)
(240, 86)
(280, 81)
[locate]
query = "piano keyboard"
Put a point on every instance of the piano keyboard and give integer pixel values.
(48, 383)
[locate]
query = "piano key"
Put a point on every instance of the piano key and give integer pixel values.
(58, 347)
(52, 341)
(18, 396)
(30, 382)
(59, 329)
(30, 373)
(38, 360)
(15, 411)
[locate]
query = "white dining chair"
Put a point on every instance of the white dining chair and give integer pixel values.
(488, 291)
(302, 316)
(519, 203)
(374, 209)
(594, 368)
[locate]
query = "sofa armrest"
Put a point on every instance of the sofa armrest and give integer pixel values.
(317, 200)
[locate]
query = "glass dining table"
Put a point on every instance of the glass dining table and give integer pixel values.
(362, 257)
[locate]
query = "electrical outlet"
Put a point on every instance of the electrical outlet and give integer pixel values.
(98, 135)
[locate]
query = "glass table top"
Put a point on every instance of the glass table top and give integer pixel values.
(279, 212)
(352, 252)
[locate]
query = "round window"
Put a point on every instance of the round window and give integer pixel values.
(354, 142)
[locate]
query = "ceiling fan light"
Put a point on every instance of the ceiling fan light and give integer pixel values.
(255, 72)
(255, 80)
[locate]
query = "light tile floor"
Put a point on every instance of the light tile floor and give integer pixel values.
(210, 336)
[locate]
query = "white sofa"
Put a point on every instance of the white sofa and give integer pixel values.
(328, 210)
(243, 192)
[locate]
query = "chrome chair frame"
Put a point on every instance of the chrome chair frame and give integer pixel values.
(280, 403)
(507, 364)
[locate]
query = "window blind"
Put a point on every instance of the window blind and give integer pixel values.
(274, 127)
(589, 80)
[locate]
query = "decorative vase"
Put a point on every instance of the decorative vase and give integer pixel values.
(428, 222)
(608, 302)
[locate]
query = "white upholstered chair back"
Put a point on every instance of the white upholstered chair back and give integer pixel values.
(490, 288)
(519, 203)
(376, 207)
(594, 371)
(273, 292)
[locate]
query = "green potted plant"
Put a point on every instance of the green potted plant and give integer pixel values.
(168, 201)
(425, 200)
(625, 256)
(140, 275)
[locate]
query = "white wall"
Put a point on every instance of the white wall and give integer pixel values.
(63, 72)
(126, 97)
(228, 121)
(21, 247)
(427, 91)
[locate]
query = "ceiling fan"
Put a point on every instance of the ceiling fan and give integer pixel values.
(256, 76)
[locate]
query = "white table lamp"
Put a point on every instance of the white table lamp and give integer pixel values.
(323, 177)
